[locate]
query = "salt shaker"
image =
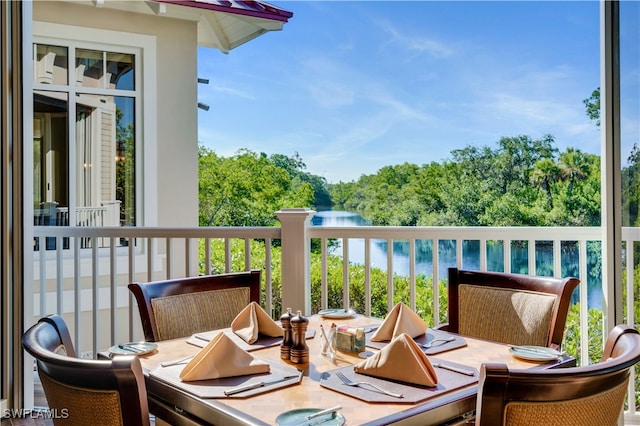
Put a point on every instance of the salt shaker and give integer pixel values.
(287, 339)
(299, 350)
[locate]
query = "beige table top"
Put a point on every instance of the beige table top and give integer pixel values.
(266, 406)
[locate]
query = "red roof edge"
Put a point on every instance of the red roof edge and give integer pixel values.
(258, 9)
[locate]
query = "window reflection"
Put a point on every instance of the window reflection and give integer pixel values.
(120, 69)
(50, 64)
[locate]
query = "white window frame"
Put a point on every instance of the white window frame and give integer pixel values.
(144, 48)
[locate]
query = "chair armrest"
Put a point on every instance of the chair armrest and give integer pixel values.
(443, 327)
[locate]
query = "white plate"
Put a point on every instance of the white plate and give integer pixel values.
(337, 313)
(133, 348)
(535, 353)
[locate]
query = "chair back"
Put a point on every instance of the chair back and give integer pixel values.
(582, 396)
(180, 307)
(82, 391)
(509, 308)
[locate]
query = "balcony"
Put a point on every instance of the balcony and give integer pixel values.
(87, 281)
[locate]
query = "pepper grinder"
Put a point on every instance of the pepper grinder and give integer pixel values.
(287, 339)
(299, 349)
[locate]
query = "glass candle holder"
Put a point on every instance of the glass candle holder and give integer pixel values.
(328, 342)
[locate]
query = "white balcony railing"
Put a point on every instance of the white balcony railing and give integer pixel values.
(89, 286)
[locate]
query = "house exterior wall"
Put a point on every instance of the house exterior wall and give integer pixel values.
(169, 137)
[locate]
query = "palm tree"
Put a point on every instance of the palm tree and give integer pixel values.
(574, 165)
(544, 174)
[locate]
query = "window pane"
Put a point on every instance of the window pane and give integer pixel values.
(120, 71)
(630, 111)
(50, 158)
(125, 160)
(89, 68)
(50, 64)
(105, 155)
(630, 148)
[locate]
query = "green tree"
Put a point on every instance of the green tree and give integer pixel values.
(296, 169)
(592, 104)
(246, 190)
(545, 173)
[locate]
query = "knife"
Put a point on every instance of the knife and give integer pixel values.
(549, 351)
(263, 383)
(452, 368)
(201, 337)
(131, 348)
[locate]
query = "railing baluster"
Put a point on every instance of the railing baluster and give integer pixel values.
(531, 248)
(113, 287)
(584, 305)
(43, 277)
(507, 255)
(59, 275)
(247, 254)
(131, 278)
(150, 258)
(94, 296)
(557, 258)
(389, 274)
(412, 273)
(268, 278)
(345, 273)
(227, 255)
(76, 292)
(367, 275)
(324, 285)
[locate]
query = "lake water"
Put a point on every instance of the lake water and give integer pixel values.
(471, 250)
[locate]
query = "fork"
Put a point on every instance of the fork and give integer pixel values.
(430, 344)
(349, 382)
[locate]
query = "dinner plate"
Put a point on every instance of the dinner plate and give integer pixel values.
(535, 353)
(337, 313)
(299, 417)
(133, 348)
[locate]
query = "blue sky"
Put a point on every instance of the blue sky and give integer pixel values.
(355, 86)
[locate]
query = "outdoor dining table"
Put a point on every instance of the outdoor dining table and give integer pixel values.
(176, 405)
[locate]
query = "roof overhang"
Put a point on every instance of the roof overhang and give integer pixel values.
(226, 24)
(222, 24)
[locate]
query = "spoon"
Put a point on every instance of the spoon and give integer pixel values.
(442, 341)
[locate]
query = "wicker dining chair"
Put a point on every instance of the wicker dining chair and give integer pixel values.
(82, 391)
(180, 307)
(592, 395)
(509, 308)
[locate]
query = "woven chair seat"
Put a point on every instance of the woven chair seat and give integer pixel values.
(186, 314)
(505, 315)
(180, 307)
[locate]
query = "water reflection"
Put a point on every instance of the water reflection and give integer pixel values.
(471, 255)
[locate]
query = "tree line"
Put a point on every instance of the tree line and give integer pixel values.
(520, 182)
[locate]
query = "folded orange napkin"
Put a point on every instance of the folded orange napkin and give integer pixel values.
(222, 358)
(253, 320)
(401, 360)
(400, 320)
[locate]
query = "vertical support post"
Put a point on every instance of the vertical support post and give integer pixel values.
(296, 258)
(611, 211)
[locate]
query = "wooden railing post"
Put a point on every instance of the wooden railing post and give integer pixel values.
(296, 285)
